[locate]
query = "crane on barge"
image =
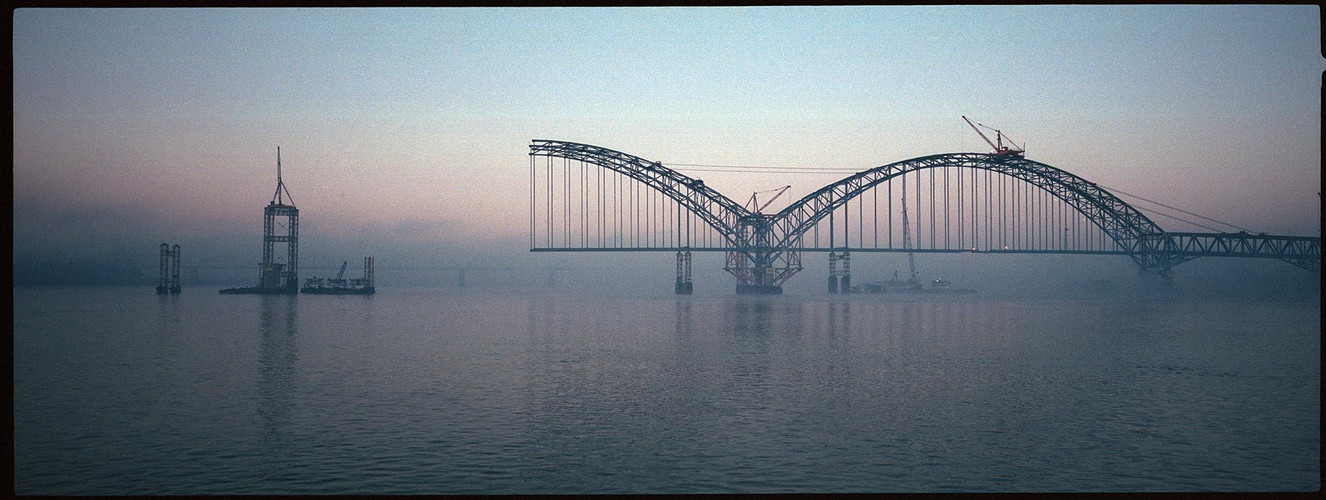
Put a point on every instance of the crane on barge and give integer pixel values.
(912, 280)
(341, 286)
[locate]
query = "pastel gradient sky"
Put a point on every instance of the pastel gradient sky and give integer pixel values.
(411, 126)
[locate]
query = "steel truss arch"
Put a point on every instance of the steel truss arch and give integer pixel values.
(715, 209)
(764, 249)
(1136, 234)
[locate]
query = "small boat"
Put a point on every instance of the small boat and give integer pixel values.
(942, 285)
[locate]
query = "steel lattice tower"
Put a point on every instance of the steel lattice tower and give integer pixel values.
(169, 281)
(274, 275)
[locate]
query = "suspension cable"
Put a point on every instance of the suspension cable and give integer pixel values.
(1178, 209)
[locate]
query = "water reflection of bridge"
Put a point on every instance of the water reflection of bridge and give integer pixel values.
(586, 198)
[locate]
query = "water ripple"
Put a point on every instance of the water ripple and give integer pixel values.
(428, 393)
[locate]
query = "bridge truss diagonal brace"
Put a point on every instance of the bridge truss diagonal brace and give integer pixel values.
(755, 261)
(1301, 251)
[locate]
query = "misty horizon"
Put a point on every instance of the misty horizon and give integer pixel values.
(404, 133)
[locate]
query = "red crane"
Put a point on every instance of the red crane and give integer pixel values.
(998, 144)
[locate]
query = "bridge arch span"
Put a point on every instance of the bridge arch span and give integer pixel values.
(1140, 237)
(763, 249)
(715, 209)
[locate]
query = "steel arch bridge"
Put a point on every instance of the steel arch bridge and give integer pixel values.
(1004, 203)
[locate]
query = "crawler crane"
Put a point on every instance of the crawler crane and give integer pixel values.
(998, 144)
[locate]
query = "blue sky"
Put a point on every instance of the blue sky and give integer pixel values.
(137, 126)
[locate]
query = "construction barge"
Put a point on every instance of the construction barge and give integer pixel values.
(341, 286)
(896, 285)
(256, 290)
(276, 278)
(270, 282)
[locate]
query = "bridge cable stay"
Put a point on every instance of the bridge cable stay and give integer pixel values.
(1180, 219)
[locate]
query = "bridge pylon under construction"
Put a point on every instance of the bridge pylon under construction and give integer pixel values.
(754, 259)
(586, 198)
(277, 278)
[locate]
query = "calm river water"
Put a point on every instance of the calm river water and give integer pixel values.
(437, 391)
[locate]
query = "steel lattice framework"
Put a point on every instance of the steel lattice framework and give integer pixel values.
(764, 249)
(716, 210)
(1128, 227)
(289, 276)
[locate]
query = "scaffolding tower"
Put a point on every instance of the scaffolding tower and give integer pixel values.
(169, 281)
(275, 276)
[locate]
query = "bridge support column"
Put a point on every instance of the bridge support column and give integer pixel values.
(833, 273)
(840, 277)
(759, 275)
(684, 273)
(170, 270)
(759, 265)
(845, 279)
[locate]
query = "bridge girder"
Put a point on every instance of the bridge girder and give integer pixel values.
(1301, 251)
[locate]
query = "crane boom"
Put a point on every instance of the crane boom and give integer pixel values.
(753, 201)
(998, 143)
(907, 240)
(341, 274)
(982, 134)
